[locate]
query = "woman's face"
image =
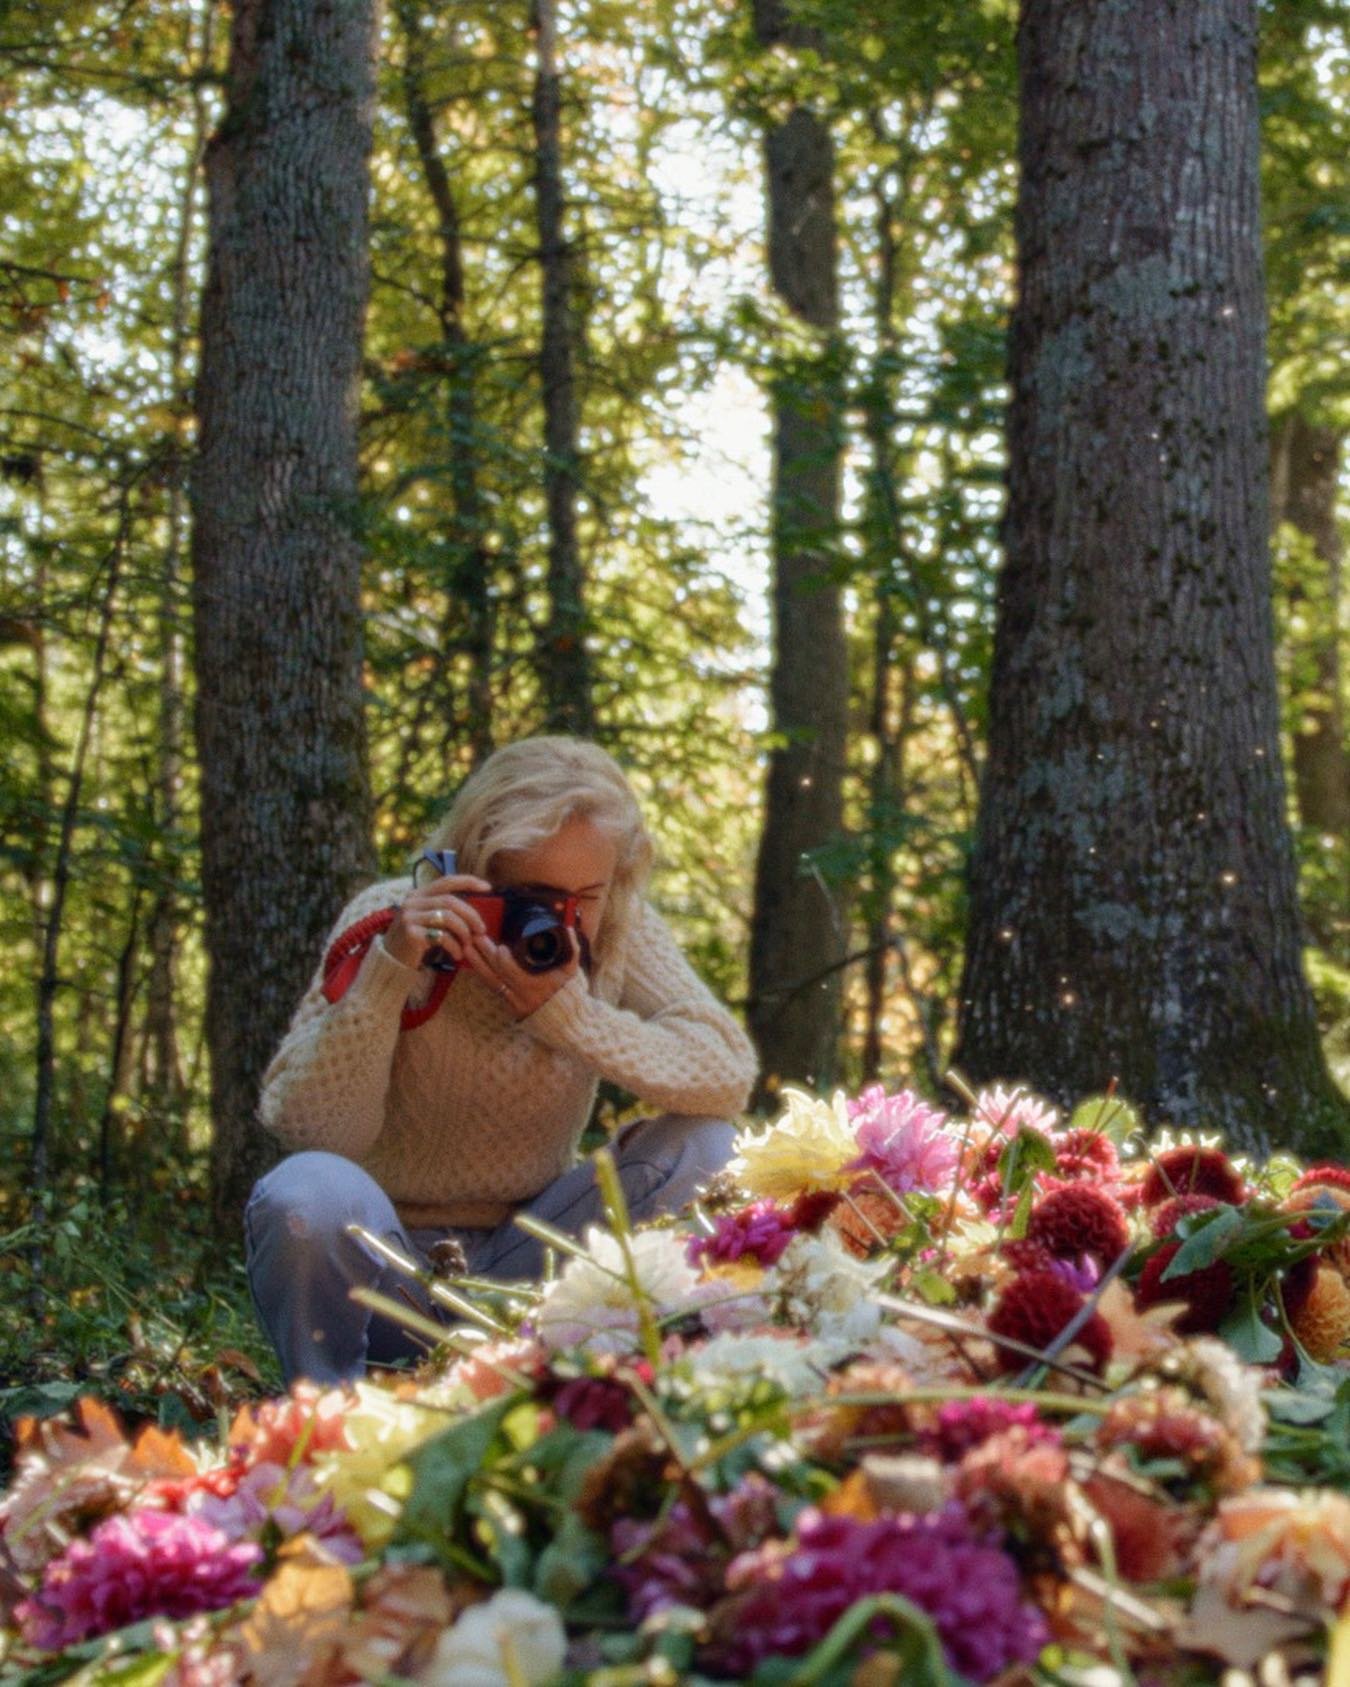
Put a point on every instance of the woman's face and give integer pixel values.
(578, 860)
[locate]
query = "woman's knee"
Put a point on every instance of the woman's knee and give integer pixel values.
(672, 1156)
(314, 1195)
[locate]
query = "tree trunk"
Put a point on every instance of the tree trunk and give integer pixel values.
(1307, 476)
(1133, 896)
(797, 935)
(280, 733)
(163, 1076)
(470, 584)
(565, 659)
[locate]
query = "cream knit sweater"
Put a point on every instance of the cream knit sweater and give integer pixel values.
(475, 1111)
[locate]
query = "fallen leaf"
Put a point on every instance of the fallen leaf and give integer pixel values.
(300, 1615)
(1239, 1634)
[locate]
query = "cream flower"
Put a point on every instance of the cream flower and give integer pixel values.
(809, 1147)
(798, 1366)
(511, 1640)
(592, 1304)
(819, 1285)
(371, 1481)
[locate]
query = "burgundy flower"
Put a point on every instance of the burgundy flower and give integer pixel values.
(1166, 1217)
(1193, 1171)
(1206, 1294)
(1078, 1220)
(1034, 1308)
(787, 1596)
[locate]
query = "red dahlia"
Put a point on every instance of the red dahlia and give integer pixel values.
(1034, 1308)
(1205, 1295)
(1165, 1219)
(1193, 1171)
(1083, 1153)
(1324, 1177)
(1078, 1220)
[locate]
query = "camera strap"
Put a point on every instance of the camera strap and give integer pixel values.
(348, 949)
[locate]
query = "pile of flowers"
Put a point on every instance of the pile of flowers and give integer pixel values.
(905, 1397)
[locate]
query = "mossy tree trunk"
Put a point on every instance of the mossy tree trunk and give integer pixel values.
(796, 940)
(1133, 892)
(280, 735)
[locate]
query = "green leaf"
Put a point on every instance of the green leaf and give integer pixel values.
(1249, 1337)
(1292, 1405)
(442, 1470)
(1025, 1154)
(1110, 1115)
(1210, 1234)
(933, 1287)
(569, 1563)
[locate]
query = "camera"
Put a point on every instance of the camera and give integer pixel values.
(533, 927)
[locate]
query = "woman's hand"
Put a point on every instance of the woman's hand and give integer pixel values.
(521, 991)
(432, 916)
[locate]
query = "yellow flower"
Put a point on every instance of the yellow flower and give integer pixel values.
(371, 1482)
(806, 1149)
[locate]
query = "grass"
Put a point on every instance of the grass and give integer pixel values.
(130, 1299)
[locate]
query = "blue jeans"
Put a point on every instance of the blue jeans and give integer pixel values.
(302, 1263)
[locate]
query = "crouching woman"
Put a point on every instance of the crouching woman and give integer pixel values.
(422, 1126)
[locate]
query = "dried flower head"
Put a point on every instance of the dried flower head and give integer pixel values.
(1165, 1424)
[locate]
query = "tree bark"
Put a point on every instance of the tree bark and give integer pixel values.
(797, 934)
(1133, 894)
(470, 583)
(161, 1063)
(280, 734)
(565, 660)
(1307, 486)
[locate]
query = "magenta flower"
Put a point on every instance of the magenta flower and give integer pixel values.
(791, 1594)
(963, 1424)
(903, 1140)
(760, 1232)
(138, 1564)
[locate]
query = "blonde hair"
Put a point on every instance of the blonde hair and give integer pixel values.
(526, 792)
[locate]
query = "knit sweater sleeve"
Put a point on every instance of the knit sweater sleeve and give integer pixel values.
(668, 1040)
(326, 1085)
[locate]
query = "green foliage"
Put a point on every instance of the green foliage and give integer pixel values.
(132, 1301)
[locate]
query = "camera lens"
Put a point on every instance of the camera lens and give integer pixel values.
(536, 936)
(539, 951)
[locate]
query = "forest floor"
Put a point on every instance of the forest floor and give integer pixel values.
(131, 1300)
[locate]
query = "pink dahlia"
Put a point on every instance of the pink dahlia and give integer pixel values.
(903, 1140)
(759, 1232)
(139, 1564)
(963, 1424)
(791, 1594)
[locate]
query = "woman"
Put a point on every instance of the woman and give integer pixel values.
(449, 1127)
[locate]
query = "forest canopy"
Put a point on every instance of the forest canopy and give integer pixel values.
(657, 387)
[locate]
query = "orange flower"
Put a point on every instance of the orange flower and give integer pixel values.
(1322, 1321)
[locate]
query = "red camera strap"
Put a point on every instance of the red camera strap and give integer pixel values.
(348, 949)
